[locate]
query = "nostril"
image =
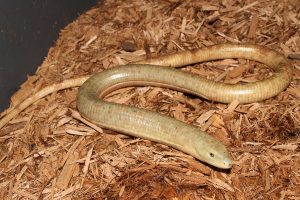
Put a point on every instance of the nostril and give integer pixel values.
(227, 163)
(211, 155)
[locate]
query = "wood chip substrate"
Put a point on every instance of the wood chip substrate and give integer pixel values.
(48, 151)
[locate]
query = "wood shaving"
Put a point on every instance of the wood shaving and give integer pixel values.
(48, 151)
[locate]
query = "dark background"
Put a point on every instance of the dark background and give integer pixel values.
(27, 30)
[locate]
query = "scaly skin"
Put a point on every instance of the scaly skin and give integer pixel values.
(159, 128)
(156, 127)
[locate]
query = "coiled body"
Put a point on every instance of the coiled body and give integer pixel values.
(156, 127)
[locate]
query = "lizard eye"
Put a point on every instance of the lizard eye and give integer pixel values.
(211, 155)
